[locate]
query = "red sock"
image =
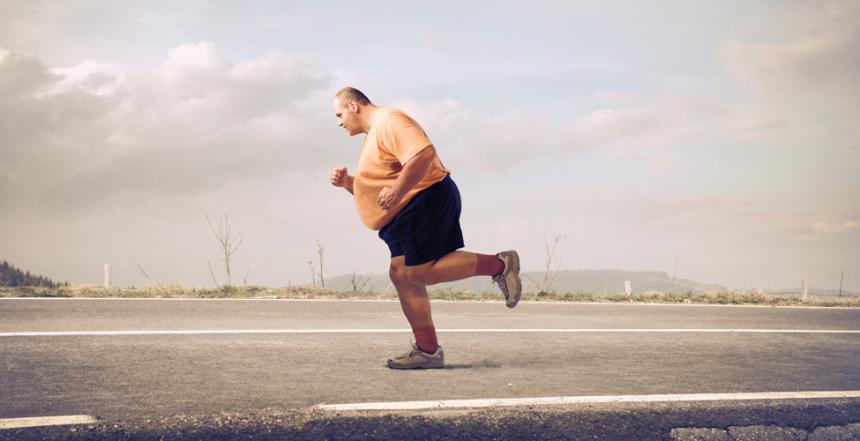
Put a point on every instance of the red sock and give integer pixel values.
(425, 338)
(489, 265)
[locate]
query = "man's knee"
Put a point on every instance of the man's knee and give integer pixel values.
(419, 275)
(397, 271)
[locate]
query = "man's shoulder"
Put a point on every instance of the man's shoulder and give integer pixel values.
(398, 119)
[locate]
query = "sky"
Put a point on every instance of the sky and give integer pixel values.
(715, 140)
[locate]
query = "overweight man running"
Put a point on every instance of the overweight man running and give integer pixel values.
(402, 189)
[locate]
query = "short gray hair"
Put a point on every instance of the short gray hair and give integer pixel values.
(351, 93)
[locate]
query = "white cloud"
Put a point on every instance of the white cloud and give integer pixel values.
(820, 60)
(21, 75)
(752, 125)
(201, 55)
(90, 77)
(624, 131)
(825, 227)
(635, 121)
(630, 126)
(77, 136)
(641, 155)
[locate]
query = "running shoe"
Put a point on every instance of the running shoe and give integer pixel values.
(418, 359)
(509, 279)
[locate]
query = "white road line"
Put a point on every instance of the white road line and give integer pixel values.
(397, 331)
(523, 302)
(542, 401)
(17, 423)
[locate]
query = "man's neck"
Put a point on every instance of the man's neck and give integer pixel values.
(371, 111)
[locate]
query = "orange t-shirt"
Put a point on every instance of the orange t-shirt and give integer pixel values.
(393, 139)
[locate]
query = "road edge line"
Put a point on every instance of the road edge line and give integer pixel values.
(59, 420)
(441, 331)
(599, 399)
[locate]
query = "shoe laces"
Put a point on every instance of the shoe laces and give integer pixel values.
(415, 351)
(405, 355)
(499, 280)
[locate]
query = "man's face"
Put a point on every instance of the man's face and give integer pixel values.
(347, 116)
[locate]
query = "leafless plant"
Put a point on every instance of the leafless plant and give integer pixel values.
(321, 253)
(245, 280)
(145, 275)
(226, 242)
(841, 279)
(213, 275)
(543, 285)
(358, 282)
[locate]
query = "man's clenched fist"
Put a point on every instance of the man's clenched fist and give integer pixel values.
(387, 198)
(338, 177)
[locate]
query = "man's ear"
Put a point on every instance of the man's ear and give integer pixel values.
(353, 106)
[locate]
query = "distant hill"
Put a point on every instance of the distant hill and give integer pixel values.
(11, 276)
(604, 282)
(596, 282)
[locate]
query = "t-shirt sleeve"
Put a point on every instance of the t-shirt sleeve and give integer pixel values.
(404, 138)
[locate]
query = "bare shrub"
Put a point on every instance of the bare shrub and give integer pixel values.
(358, 282)
(543, 283)
(321, 253)
(146, 276)
(228, 245)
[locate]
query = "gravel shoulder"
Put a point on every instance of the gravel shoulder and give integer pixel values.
(660, 421)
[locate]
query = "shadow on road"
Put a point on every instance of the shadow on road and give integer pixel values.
(485, 364)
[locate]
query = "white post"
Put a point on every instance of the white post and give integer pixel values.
(805, 290)
(107, 276)
(627, 289)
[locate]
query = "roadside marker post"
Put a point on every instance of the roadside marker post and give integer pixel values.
(107, 276)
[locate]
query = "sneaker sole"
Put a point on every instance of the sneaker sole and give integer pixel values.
(515, 268)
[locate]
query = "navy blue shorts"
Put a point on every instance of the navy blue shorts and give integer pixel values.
(428, 227)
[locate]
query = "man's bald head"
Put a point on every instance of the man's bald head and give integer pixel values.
(348, 94)
(353, 110)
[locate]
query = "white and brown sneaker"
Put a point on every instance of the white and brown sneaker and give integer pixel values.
(418, 359)
(509, 279)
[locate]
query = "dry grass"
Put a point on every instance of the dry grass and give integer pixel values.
(249, 292)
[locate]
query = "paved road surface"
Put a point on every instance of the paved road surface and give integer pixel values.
(138, 377)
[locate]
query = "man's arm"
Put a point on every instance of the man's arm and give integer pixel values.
(341, 178)
(412, 173)
(348, 183)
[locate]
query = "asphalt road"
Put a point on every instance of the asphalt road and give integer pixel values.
(140, 377)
